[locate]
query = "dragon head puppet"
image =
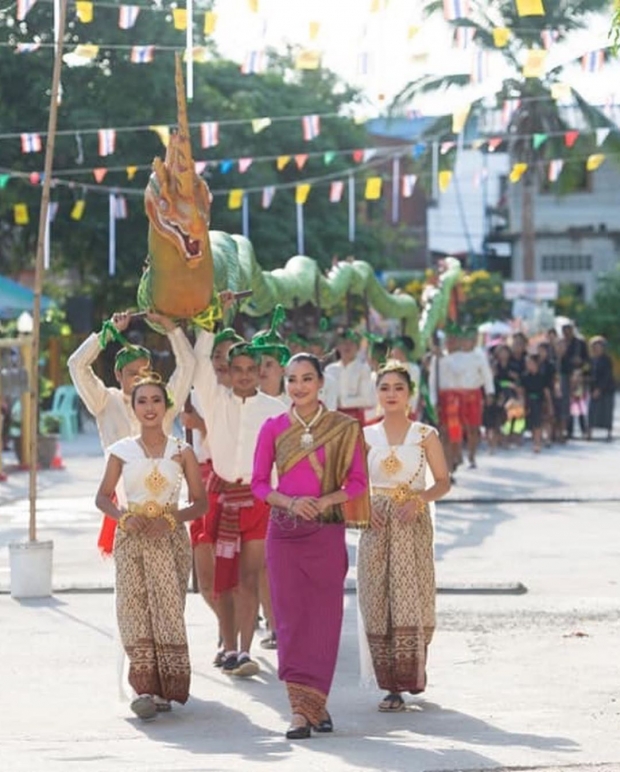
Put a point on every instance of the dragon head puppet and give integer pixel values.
(178, 280)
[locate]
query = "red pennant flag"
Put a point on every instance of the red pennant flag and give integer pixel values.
(570, 138)
(100, 174)
(300, 160)
(494, 144)
(358, 156)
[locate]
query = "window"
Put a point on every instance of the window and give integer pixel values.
(563, 262)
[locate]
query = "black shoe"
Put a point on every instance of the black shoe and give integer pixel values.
(229, 664)
(220, 658)
(326, 725)
(298, 732)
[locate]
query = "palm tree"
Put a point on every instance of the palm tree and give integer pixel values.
(536, 132)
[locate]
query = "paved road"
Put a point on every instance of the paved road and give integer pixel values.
(515, 681)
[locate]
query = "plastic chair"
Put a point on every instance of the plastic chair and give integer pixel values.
(65, 406)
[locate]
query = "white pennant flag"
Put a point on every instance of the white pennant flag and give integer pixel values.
(555, 169)
(268, 194)
(409, 181)
(601, 136)
(336, 190)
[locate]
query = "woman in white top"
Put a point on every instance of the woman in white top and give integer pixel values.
(395, 570)
(152, 553)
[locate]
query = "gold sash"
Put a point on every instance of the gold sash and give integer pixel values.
(339, 435)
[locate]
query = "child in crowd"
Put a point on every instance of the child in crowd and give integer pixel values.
(537, 395)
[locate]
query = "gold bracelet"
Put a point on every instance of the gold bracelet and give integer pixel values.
(122, 520)
(170, 519)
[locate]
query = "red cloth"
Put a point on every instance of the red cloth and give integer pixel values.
(471, 407)
(450, 414)
(202, 529)
(105, 542)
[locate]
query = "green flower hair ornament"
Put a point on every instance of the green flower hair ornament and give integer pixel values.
(453, 329)
(270, 342)
(128, 353)
(243, 349)
(225, 335)
(349, 335)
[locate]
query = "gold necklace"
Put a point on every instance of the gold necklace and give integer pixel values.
(391, 464)
(154, 482)
(307, 440)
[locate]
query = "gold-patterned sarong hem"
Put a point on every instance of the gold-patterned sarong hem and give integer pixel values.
(307, 702)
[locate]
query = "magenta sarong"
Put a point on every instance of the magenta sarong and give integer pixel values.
(307, 564)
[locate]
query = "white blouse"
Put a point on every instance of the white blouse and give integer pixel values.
(410, 464)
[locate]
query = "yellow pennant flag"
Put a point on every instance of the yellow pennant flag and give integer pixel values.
(301, 193)
(20, 214)
(282, 161)
(200, 55)
(445, 177)
(131, 172)
(594, 161)
(517, 171)
(530, 8)
(459, 119)
(308, 60)
(412, 31)
(315, 28)
(78, 209)
(179, 17)
(84, 10)
(373, 188)
(235, 198)
(561, 91)
(210, 22)
(253, 4)
(535, 60)
(86, 51)
(259, 124)
(163, 132)
(501, 36)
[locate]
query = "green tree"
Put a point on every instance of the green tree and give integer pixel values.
(537, 128)
(113, 92)
(601, 316)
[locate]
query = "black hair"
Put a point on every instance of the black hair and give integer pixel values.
(304, 356)
(406, 342)
(159, 384)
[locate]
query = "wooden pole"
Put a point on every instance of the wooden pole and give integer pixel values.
(38, 273)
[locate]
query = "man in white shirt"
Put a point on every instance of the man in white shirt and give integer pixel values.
(233, 418)
(110, 406)
(445, 397)
(473, 374)
(353, 377)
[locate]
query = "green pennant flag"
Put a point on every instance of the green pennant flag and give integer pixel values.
(328, 157)
(4, 178)
(538, 140)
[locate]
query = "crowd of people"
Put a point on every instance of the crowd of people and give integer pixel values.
(291, 442)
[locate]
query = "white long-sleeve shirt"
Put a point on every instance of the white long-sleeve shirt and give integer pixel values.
(441, 376)
(110, 407)
(355, 387)
(233, 423)
(472, 370)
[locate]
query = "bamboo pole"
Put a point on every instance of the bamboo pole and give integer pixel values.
(38, 273)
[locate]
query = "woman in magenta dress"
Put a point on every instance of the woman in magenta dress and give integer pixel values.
(322, 485)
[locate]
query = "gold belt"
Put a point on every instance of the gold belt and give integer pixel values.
(151, 508)
(401, 494)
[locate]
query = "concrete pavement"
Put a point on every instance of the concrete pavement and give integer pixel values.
(515, 681)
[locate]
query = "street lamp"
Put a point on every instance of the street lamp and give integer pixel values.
(25, 323)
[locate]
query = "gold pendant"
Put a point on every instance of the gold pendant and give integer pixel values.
(155, 482)
(392, 464)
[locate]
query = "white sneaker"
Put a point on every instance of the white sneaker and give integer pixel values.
(144, 707)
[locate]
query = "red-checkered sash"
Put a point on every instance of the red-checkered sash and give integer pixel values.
(232, 497)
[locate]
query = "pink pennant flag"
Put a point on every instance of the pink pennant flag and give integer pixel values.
(255, 63)
(408, 184)
(127, 15)
(268, 194)
(31, 143)
(455, 9)
(446, 147)
(300, 160)
(27, 48)
(549, 37)
(100, 173)
(107, 141)
(593, 61)
(311, 126)
(509, 108)
(555, 169)
(199, 167)
(358, 156)
(494, 144)
(244, 164)
(23, 6)
(120, 207)
(464, 37)
(336, 189)
(209, 134)
(142, 54)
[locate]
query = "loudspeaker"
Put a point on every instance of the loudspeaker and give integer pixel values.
(79, 311)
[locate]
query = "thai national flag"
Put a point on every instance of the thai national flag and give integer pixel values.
(268, 194)
(363, 63)
(31, 143)
(27, 48)
(107, 141)
(209, 134)
(127, 16)
(311, 125)
(336, 190)
(480, 67)
(23, 6)
(593, 61)
(509, 108)
(142, 54)
(549, 36)
(455, 9)
(254, 63)
(464, 37)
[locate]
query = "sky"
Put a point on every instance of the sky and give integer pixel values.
(376, 51)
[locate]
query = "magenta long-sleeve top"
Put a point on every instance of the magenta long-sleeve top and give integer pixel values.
(300, 480)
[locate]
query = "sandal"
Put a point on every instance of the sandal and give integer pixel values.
(393, 703)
